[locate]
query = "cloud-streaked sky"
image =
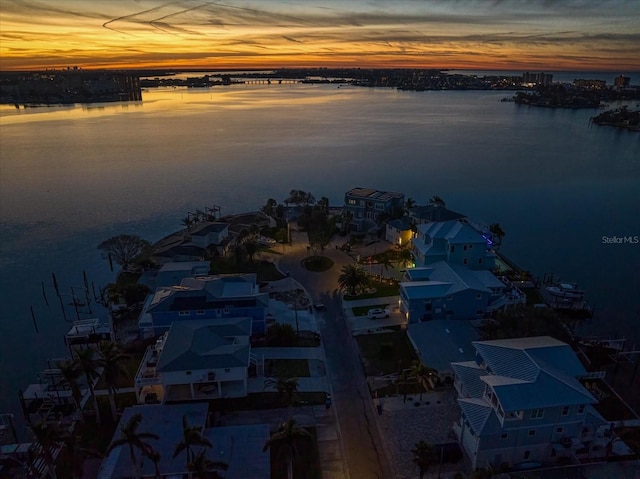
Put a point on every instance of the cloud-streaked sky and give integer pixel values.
(475, 34)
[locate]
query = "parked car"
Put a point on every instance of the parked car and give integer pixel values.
(378, 313)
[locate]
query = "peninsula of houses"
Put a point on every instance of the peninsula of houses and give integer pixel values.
(380, 338)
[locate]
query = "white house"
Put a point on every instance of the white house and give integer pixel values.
(195, 360)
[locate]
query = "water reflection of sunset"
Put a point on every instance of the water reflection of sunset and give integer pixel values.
(199, 34)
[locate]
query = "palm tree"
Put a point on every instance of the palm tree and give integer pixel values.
(423, 456)
(49, 439)
(130, 436)
(435, 200)
(352, 278)
(410, 203)
(287, 386)
(287, 435)
(323, 205)
(422, 373)
(204, 468)
(191, 436)
(154, 455)
(250, 248)
(497, 232)
(187, 222)
(71, 373)
(90, 366)
(112, 360)
(405, 256)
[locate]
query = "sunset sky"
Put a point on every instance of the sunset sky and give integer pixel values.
(472, 34)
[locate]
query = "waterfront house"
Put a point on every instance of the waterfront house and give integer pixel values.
(173, 272)
(365, 207)
(453, 291)
(399, 231)
(239, 447)
(522, 402)
(197, 360)
(205, 297)
(454, 242)
(210, 236)
(166, 423)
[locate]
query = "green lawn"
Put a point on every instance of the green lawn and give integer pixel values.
(386, 353)
(382, 290)
(317, 264)
(265, 270)
(298, 368)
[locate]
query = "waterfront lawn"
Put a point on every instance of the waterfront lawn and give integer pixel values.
(386, 353)
(382, 290)
(290, 368)
(265, 270)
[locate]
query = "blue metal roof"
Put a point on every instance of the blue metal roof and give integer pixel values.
(481, 416)
(469, 374)
(442, 342)
(205, 344)
(528, 373)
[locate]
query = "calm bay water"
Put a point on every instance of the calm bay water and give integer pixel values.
(73, 176)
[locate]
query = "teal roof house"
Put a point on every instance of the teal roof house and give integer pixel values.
(522, 402)
(453, 291)
(197, 360)
(452, 241)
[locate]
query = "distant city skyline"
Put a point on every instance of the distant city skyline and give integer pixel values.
(461, 34)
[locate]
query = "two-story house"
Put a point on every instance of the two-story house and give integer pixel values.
(522, 402)
(205, 297)
(365, 207)
(194, 360)
(452, 291)
(454, 242)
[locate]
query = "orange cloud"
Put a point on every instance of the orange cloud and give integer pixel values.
(268, 34)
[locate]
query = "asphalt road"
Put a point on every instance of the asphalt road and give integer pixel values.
(361, 442)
